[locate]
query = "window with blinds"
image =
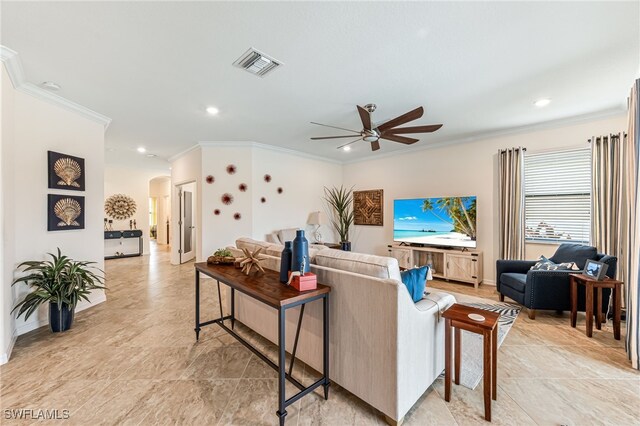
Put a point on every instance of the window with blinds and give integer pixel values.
(558, 196)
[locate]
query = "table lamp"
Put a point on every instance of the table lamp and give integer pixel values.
(316, 219)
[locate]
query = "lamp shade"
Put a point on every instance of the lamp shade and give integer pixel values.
(316, 218)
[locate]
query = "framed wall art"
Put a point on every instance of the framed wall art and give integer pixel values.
(65, 212)
(368, 207)
(66, 171)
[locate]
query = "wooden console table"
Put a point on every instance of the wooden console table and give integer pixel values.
(267, 288)
(590, 283)
(457, 317)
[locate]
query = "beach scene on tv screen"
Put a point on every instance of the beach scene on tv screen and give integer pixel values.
(445, 221)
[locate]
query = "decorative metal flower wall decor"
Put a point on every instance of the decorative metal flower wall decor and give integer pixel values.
(216, 212)
(280, 190)
(210, 179)
(120, 206)
(237, 216)
(231, 169)
(267, 178)
(242, 187)
(263, 200)
(226, 199)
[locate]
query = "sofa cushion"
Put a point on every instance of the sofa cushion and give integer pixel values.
(415, 280)
(514, 280)
(251, 244)
(544, 264)
(365, 264)
(287, 234)
(577, 253)
(275, 250)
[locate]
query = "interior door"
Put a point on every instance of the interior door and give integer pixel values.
(187, 223)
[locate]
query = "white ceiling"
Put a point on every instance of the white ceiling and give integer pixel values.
(476, 67)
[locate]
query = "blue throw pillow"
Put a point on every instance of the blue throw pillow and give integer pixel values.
(416, 280)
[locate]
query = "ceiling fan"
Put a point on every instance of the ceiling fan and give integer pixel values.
(387, 130)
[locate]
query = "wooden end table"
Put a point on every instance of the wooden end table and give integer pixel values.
(457, 316)
(590, 283)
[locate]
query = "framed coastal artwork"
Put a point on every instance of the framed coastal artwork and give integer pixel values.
(368, 207)
(65, 212)
(65, 171)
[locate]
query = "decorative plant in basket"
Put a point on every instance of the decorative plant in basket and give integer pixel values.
(340, 200)
(221, 256)
(60, 281)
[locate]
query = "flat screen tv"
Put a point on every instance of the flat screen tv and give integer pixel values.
(442, 222)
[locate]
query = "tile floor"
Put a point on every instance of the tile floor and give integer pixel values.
(134, 360)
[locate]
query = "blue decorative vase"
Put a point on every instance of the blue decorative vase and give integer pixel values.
(345, 246)
(60, 317)
(300, 249)
(285, 262)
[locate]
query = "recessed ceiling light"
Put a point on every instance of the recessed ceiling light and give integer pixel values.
(151, 155)
(50, 85)
(347, 148)
(142, 149)
(212, 110)
(542, 102)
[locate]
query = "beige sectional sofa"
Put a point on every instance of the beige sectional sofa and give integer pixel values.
(384, 348)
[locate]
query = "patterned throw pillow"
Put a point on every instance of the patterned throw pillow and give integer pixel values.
(544, 264)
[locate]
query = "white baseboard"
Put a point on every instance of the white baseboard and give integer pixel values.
(489, 282)
(4, 357)
(37, 323)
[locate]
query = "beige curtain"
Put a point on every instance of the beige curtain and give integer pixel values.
(511, 203)
(631, 247)
(609, 227)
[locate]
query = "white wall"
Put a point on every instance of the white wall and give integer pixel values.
(463, 169)
(7, 221)
(160, 189)
(301, 177)
(303, 180)
(133, 182)
(185, 168)
(39, 126)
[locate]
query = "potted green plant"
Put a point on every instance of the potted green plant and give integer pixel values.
(340, 200)
(60, 281)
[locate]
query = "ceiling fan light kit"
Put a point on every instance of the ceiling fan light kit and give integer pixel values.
(388, 130)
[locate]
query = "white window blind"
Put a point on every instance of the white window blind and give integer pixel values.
(558, 196)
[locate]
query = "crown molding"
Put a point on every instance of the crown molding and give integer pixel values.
(251, 144)
(268, 147)
(13, 65)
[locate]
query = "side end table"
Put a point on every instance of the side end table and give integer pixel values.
(457, 316)
(590, 284)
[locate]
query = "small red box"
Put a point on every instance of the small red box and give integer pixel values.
(306, 282)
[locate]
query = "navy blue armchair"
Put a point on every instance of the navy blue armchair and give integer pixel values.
(550, 290)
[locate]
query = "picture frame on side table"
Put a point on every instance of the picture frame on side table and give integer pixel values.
(595, 269)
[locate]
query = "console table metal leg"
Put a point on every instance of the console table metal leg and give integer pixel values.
(295, 341)
(197, 329)
(233, 308)
(220, 301)
(325, 344)
(282, 412)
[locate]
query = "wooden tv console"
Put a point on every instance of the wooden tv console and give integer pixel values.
(448, 264)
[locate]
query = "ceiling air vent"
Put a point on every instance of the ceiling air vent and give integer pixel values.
(256, 62)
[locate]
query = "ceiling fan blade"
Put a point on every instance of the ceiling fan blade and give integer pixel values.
(404, 118)
(342, 146)
(415, 129)
(331, 137)
(365, 116)
(335, 127)
(375, 145)
(401, 139)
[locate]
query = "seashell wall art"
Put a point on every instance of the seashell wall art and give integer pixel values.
(65, 212)
(66, 171)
